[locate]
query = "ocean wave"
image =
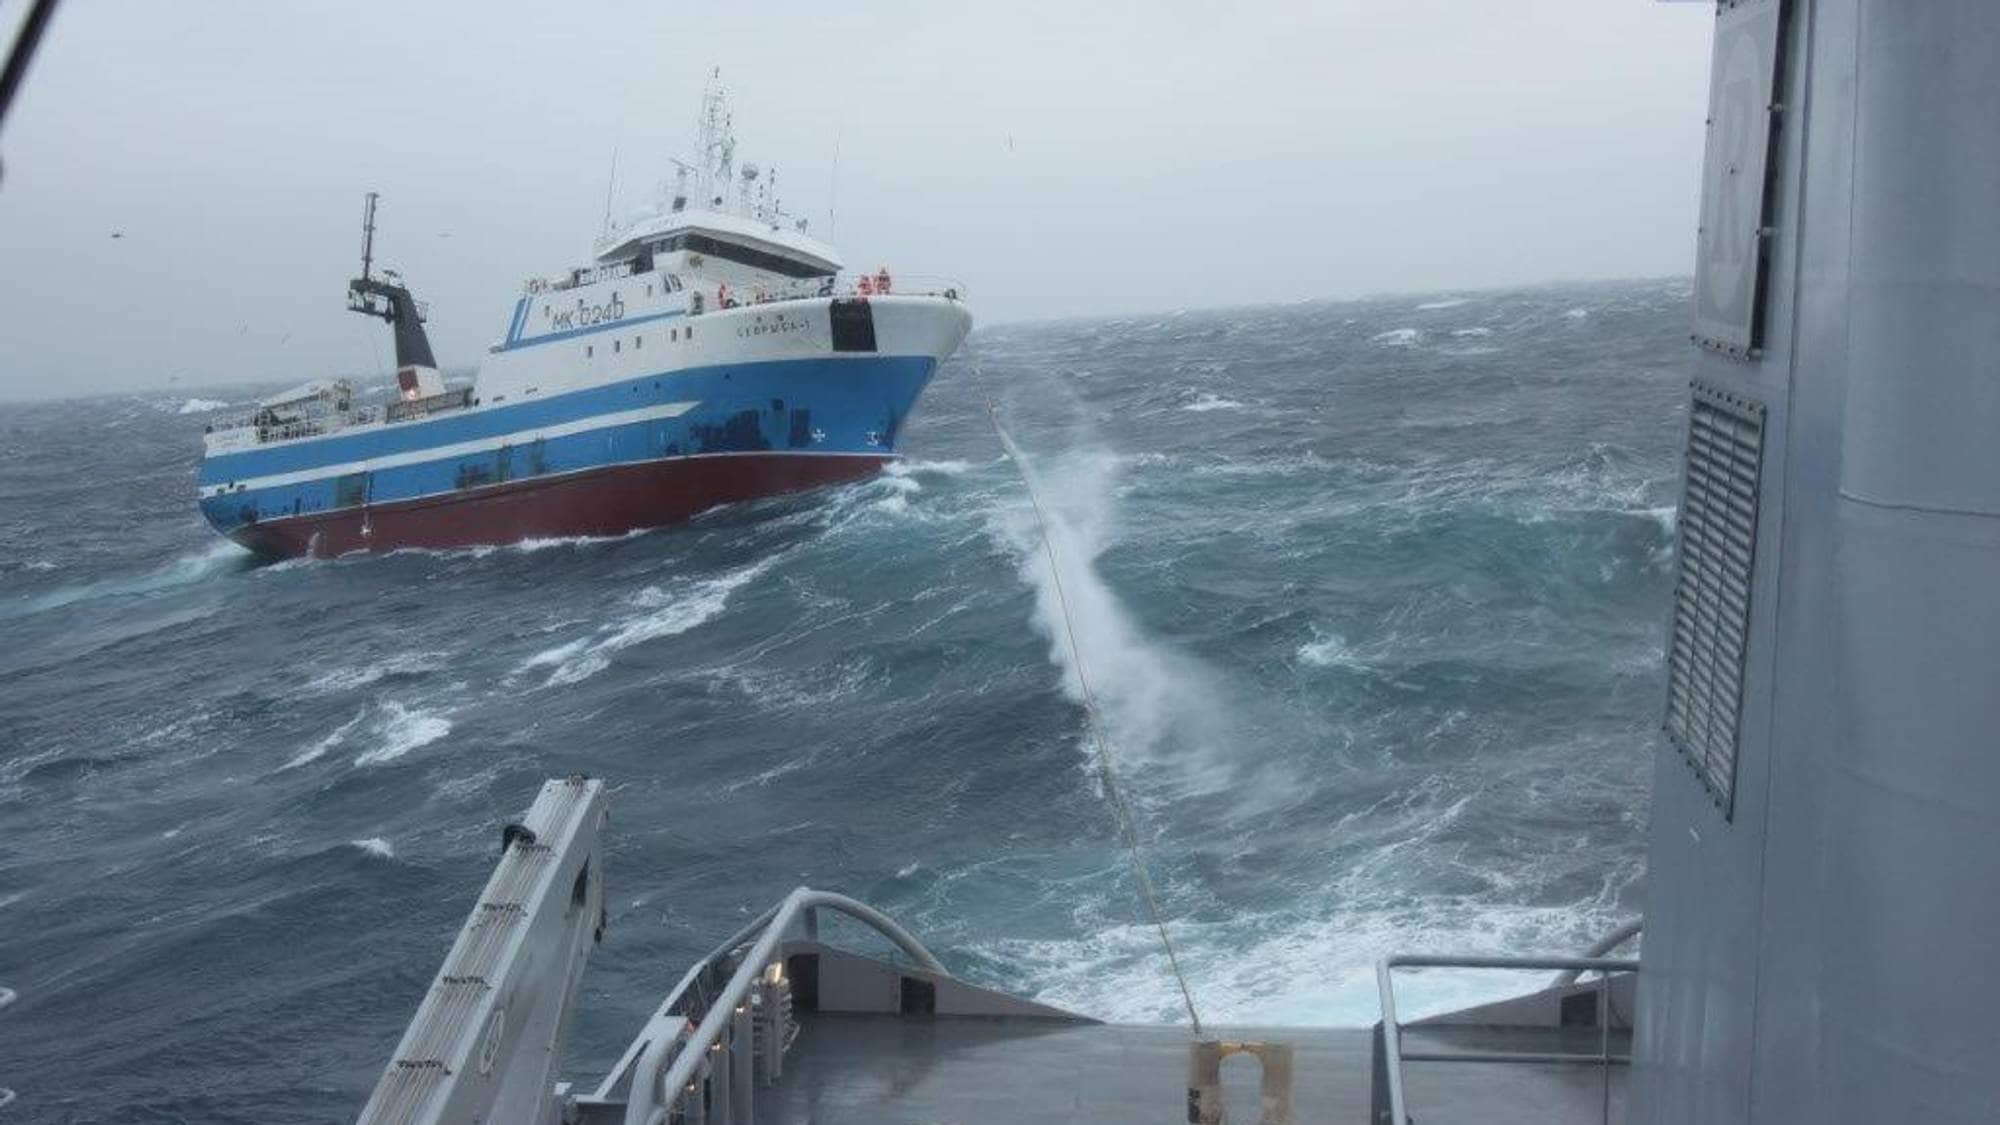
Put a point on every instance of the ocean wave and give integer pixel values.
(1472, 332)
(401, 730)
(1329, 650)
(1399, 337)
(347, 679)
(1281, 465)
(1208, 402)
(669, 612)
(387, 729)
(219, 558)
(319, 749)
(948, 467)
(1282, 968)
(202, 406)
(1409, 879)
(1149, 703)
(1448, 303)
(375, 846)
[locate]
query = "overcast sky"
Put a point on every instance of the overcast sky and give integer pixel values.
(1057, 158)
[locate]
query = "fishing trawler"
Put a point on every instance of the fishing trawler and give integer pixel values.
(710, 352)
(1822, 887)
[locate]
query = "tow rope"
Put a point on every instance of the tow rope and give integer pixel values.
(1107, 768)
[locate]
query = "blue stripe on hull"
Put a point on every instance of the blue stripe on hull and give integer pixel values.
(823, 406)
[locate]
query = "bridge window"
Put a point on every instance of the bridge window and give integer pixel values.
(741, 255)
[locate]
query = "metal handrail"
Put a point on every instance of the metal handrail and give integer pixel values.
(1392, 1030)
(1618, 936)
(642, 1102)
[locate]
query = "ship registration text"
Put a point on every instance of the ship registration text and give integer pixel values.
(584, 314)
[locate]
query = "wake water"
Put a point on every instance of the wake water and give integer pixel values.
(1370, 594)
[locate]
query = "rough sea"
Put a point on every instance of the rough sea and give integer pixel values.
(1371, 596)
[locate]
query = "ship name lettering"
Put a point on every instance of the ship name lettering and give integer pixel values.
(779, 324)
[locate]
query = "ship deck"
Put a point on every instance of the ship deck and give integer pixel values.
(889, 1070)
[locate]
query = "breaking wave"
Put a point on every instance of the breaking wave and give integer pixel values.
(666, 612)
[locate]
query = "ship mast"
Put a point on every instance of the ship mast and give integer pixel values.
(389, 299)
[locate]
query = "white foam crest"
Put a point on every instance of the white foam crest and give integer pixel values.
(530, 546)
(1285, 465)
(400, 730)
(1576, 313)
(390, 730)
(347, 679)
(202, 406)
(766, 777)
(375, 846)
(949, 468)
(669, 613)
(1398, 337)
(554, 657)
(1472, 332)
(319, 749)
(1448, 303)
(1329, 650)
(1312, 961)
(1208, 402)
(1279, 969)
(183, 571)
(1667, 517)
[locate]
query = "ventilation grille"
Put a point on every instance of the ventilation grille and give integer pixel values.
(1711, 628)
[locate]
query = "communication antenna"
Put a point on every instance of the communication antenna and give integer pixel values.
(833, 189)
(610, 182)
(368, 236)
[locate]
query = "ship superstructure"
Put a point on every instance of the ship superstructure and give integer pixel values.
(709, 352)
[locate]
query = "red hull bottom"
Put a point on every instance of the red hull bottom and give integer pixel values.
(610, 501)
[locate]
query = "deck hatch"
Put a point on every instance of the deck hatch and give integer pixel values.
(1709, 641)
(1737, 185)
(853, 324)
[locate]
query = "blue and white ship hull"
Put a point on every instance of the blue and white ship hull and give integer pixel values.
(659, 416)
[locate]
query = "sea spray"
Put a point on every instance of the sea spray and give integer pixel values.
(1146, 694)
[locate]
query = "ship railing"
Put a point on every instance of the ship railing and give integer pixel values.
(250, 429)
(1394, 1056)
(809, 289)
(906, 285)
(726, 1034)
(403, 410)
